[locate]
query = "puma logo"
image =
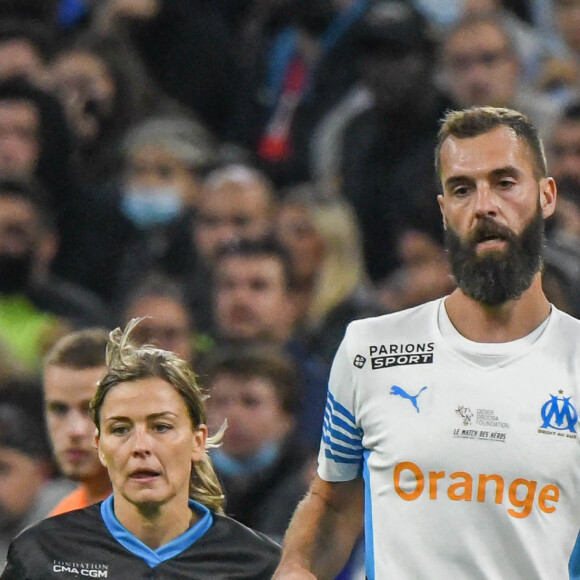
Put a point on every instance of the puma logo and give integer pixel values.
(395, 390)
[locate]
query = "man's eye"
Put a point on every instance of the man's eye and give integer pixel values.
(58, 409)
(505, 183)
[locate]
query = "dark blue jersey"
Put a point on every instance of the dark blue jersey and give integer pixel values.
(91, 543)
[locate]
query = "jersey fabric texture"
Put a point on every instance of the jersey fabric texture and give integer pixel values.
(469, 451)
(92, 543)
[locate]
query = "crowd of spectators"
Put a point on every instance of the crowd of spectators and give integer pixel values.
(251, 175)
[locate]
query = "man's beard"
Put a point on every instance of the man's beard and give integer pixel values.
(496, 277)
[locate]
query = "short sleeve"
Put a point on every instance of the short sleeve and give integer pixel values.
(341, 451)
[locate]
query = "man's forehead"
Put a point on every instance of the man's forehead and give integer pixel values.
(476, 35)
(499, 147)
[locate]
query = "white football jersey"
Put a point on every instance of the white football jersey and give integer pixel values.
(469, 451)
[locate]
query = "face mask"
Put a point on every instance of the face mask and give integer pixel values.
(14, 272)
(151, 206)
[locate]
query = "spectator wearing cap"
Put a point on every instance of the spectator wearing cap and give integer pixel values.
(380, 150)
(27, 490)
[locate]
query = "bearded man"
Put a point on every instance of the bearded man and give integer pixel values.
(451, 428)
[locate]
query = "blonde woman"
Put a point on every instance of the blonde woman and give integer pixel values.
(322, 237)
(164, 518)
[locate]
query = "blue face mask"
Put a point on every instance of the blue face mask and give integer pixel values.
(151, 206)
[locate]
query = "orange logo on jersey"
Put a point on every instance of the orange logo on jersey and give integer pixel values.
(521, 493)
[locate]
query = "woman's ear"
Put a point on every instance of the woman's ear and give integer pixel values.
(199, 441)
(96, 443)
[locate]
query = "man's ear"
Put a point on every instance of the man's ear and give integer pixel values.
(548, 195)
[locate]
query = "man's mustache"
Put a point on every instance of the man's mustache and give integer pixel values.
(488, 228)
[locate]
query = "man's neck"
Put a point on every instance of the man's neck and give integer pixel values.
(508, 321)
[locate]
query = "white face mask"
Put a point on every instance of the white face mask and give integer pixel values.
(151, 206)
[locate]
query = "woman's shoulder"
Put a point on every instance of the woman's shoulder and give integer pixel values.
(226, 527)
(62, 525)
(237, 537)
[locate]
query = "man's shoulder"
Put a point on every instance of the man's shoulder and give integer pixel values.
(75, 500)
(565, 323)
(423, 311)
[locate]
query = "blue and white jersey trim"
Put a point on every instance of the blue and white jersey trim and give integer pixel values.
(341, 438)
(165, 552)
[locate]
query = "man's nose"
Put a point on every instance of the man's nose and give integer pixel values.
(79, 424)
(486, 202)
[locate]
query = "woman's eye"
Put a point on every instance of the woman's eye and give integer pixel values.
(119, 429)
(162, 427)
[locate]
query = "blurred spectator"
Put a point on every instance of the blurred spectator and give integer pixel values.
(34, 140)
(103, 89)
(531, 25)
(164, 161)
(196, 65)
(386, 149)
(25, 48)
(330, 282)
(236, 201)
(254, 303)
(35, 304)
(27, 489)
(423, 275)
(304, 71)
(260, 464)
(168, 323)
(71, 371)
(482, 67)
(563, 248)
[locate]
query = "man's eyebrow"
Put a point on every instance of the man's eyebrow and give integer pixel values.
(457, 180)
(508, 170)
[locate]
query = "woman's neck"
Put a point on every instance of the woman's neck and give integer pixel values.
(155, 525)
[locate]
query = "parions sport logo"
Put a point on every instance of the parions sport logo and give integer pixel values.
(395, 355)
